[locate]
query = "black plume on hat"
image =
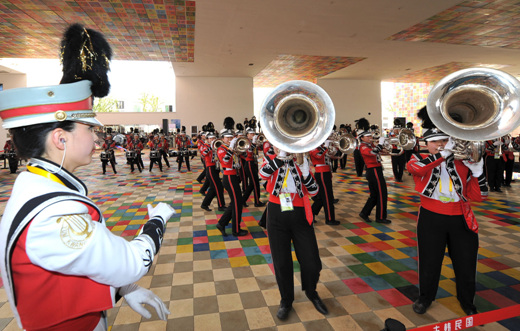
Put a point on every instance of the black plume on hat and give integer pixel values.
(86, 55)
(363, 124)
(204, 128)
(240, 127)
(425, 118)
(229, 123)
(252, 123)
(210, 126)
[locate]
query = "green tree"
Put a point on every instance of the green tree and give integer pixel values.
(150, 103)
(105, 105)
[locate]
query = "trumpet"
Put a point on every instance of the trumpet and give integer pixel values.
(297, 116)
(475, 105)
(215, 144)
(260, 139)
(242, 145)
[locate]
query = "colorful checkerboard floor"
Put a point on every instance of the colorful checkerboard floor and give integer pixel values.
(210, 282)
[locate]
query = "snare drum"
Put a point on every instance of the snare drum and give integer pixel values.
(173, 153)
(104, 156)
(154, 155)
(12, 154)
(193, 152)
(131, 154)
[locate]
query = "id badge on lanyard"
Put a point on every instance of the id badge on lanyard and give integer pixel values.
(285, 198)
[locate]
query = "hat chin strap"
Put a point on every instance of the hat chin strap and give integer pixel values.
(62, 159)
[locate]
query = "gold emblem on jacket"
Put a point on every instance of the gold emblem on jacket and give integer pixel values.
(75, 230)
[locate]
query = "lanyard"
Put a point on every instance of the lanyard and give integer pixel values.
(44, 173)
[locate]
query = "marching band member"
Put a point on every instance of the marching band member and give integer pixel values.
(135, 146)
(165, 148)
(212, 175)
(251, 167)
(155, 156)
(323, 177)
(359, 163)
(10, 153)
(183, 142)
(374, 174)
(290, 221)
(226, 157)
(109, 146)
(202, 145)
(343, 159)
(494, 165)
(508, 158)
(244, 180)
(268, 152)
(445, 217)
(397, 154)
(60, 265)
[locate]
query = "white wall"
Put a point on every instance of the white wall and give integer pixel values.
(10, 81)
(204, 99)
(354, 99)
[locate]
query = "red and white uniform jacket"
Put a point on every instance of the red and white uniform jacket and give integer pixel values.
(154, 145)
(491, 149)
(318, 159)
(109, 144)
(207, 155)
(370, 153)
(136, 145)
(226, 159)
(268, 150)
(58, 260)
(274, 171)
(251, 153)
(443, 183)
(183, 143)
(165, 145)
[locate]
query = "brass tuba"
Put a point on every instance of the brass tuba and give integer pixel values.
(475, 105)
(297, 116)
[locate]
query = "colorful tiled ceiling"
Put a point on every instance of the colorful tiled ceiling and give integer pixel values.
(301, 67)
(486, 23)
(434, 74)
(137, 30)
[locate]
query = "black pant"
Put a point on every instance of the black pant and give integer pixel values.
(132, 161)
(242, 175)
(233, 212)
(434, 233)
(508, 167)
(334, 164)
(186, 158)
(251, 172)
(282, 229)
(215, 187)
(325, 196)
(13, 164)
(156, 160)
(343, 161)
(112, 161)
(398, 163)
(378, 194)
(359, 162)
(164, 155)
(494, 172)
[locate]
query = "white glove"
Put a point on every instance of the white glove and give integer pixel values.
(255, 138)
(282, 153)
(135, 296)
(497, 143)
(305, 168)
(448, 148)
(327, 143)
(382, 141)
(233, 143)
(163, 210)
(477, 168)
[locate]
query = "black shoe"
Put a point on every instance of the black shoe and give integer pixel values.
(385, 221)
(206, 208)
(498, 190)
(318, 304)
(333, 222)
(335, 201)
(222, 208)
(222, 230)
(260, 204)
(470, 310)
(420, 306)
(365, 217)
(283, 312)
(240, 233)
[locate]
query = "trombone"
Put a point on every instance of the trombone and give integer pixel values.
(475, 105)
(297, 116)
